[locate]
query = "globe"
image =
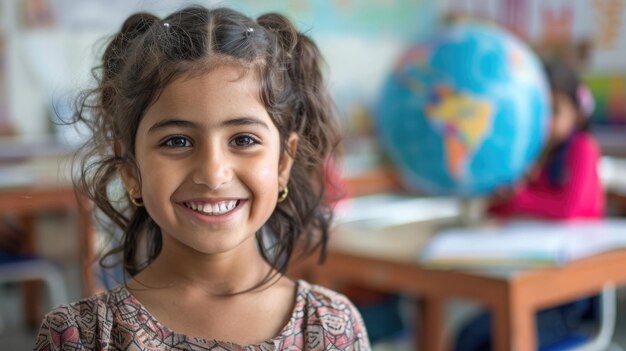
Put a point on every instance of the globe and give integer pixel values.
(465, 112)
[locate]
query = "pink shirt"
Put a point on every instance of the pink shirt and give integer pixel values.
(581, 195)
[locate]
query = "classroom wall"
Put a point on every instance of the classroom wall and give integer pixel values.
(48, 56)
(591, 33)
(601, 22)
(49, 60)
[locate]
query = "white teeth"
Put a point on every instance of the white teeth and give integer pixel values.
(213, 209)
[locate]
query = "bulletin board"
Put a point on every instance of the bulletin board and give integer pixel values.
(610, 94)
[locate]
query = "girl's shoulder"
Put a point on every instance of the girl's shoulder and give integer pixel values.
(583, 139)
(583, 144)
(319, 296)
(327, 311)
(89, 322)
(97, 307)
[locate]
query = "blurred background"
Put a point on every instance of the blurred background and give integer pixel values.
(48, 48)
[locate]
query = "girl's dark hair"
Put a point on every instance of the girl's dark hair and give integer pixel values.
(565, 80)
(147, 54)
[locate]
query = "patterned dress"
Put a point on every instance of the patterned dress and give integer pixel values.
(115, 320)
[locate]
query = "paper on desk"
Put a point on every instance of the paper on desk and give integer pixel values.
(385, 210)
(389, 226)
(524, 244)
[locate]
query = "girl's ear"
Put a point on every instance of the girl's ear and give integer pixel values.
(128, 173)
(284, 167)
(130, 180)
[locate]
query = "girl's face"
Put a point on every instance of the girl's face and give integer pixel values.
(209, 160)
(565, 117)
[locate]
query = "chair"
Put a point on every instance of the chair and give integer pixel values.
(17, 268)
(602, 340)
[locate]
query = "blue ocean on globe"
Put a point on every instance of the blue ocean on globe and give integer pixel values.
(465, 112)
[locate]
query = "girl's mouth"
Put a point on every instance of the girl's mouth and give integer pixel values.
(213, 209)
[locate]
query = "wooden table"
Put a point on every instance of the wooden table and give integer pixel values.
(31, 188)
(388, 262)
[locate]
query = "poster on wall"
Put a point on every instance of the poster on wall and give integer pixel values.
(609, 92)
(37, 14)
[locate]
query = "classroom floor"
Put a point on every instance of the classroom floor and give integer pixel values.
(14, 335)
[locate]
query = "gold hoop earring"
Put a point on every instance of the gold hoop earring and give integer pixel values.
(283, 194)
(138, 202)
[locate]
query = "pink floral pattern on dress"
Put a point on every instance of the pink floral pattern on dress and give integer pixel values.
(115, 320)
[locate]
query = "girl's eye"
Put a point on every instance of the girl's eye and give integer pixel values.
(244, 141)
(177, 141)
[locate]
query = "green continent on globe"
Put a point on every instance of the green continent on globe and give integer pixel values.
(464, 121)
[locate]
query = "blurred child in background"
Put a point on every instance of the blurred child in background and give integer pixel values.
(563, 185)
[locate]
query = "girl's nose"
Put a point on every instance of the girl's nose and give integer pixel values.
(211, 168)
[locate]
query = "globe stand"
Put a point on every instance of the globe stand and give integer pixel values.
(472, 211)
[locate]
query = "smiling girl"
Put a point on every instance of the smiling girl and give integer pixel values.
(220, 128)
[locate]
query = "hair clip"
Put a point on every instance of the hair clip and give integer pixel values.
(166, 25)
(585, 100)
(248, 32)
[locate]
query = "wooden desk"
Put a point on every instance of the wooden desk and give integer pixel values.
(390, 264)
(38, 186)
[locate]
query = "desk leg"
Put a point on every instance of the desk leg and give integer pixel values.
(430, 333)
(513, 325)
(31, 291)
